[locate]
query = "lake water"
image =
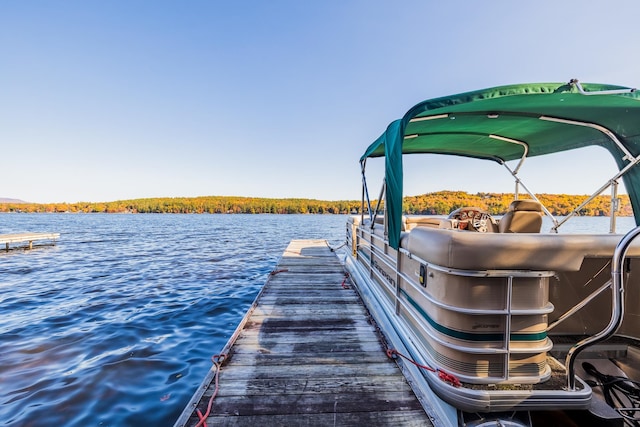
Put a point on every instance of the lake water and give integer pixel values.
(117, 323)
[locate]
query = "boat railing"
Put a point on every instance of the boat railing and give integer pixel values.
(380, 254)
(386, 265)
(617, 306)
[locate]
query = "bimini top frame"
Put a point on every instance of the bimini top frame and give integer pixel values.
(512, 123)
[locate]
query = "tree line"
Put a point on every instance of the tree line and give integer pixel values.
(443, 202)
(437, 203)
(209, 204)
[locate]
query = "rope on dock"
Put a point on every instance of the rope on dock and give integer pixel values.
(344, 282)
(444, 376)
(337, 247)
(217, 360)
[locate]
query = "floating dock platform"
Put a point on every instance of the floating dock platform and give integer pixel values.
(306, 353)
(27, 239)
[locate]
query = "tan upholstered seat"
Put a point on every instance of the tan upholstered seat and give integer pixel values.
(523, 216)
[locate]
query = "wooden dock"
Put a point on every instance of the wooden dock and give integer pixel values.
(307, 353)
(27, 238)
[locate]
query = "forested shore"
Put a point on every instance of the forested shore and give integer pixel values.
(437, 203)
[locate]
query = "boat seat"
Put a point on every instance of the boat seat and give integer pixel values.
(523, 216)
(410, 222)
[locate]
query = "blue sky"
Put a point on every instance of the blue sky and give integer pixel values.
(103, 101)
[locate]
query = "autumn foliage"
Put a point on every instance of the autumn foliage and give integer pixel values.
(443, 202)
(209, 204)
(440, 203)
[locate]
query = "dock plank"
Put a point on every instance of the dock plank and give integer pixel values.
(355, 384)
(308, 354)
(406, 418)
(312, 403)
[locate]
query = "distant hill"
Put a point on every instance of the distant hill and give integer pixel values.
(8, 200)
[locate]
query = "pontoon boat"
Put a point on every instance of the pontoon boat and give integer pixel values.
(506, 323)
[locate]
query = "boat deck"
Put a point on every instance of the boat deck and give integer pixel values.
(307, 353)
(28, 238)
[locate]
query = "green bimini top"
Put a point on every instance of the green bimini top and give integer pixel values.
(509, 123)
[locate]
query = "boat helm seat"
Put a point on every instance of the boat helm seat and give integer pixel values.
(523, 216)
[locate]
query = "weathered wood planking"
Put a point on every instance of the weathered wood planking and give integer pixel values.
(308, 354)
(28, 238)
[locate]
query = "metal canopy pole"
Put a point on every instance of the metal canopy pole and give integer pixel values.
(615, 202)
(365, 191)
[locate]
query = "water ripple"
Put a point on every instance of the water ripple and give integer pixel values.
(116, 324)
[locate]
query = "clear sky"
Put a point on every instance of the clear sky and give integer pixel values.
(111, 100)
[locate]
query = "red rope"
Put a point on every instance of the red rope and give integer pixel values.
(283, 270)
(444, 376)
(217, 360)
(344, 282)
